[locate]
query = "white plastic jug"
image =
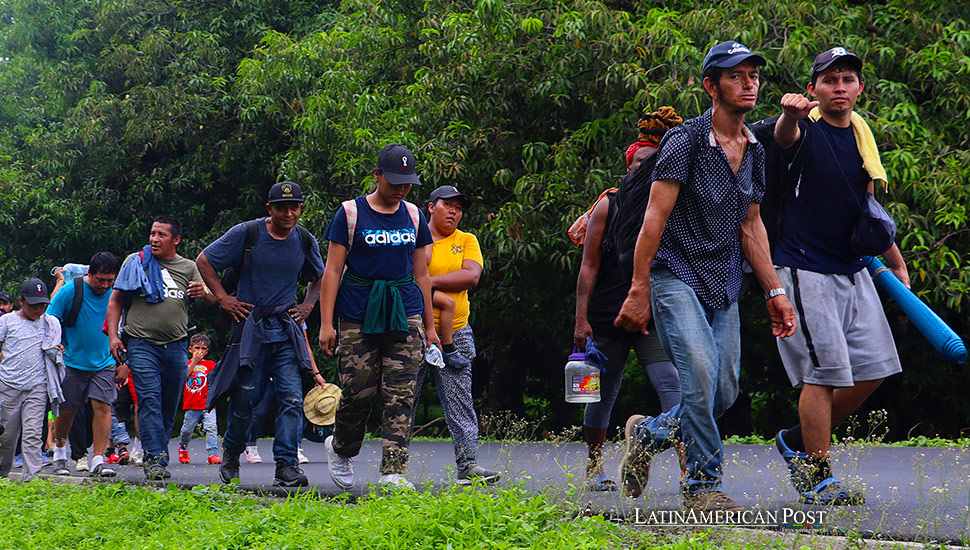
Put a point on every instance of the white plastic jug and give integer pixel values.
(582, 380)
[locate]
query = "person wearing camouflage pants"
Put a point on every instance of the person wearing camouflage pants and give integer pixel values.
(368, 365)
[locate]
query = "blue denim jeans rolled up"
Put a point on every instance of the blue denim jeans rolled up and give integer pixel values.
(119, 432)
(158, 371)
(277, 360)
(705, 345)
(191, 419)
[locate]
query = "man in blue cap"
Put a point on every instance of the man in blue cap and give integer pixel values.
(701, 222)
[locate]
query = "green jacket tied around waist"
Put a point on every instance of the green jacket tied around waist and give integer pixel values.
(385, 307)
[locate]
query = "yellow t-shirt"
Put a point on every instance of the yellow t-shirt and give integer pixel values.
(447, 256)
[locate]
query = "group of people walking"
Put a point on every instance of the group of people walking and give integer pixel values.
(395, 284)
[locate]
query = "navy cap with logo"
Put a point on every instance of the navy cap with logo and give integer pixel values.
(838, 54)
(730, 54)
(34, 291)
(285, 191)
(6, 297)
(450, 192)
(397, 163)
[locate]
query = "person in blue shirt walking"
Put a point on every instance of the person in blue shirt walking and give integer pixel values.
(701, 222)
(382, 302)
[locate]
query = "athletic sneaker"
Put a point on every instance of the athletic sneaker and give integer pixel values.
(214, 459)
(635, 465)
(799, 470)
(45, 459)
(341, 468)
(60, 468)
(82, 464)
(714, 500)
(252, 454)
(154, 471)
(18, 461)
(123, 456)
(138, 457)
(394, 481)
(112, 458)
(183, 455)
(102, 470)
(289, 475)
(301, 457)
(830, 492)
(230, 468)
(476, 473)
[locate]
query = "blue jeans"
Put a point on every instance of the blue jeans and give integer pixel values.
(158, 372)
(119, 432)
(705, 345)
(192, 417)
(276, 360)
(262, 409)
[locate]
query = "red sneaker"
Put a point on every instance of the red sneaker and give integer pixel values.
(214, 459)
(113, 458)
(183, 455)
(123, 456)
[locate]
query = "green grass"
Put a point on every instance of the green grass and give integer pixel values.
(40, 514)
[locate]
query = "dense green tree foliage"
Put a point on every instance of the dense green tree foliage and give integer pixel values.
(116, 110)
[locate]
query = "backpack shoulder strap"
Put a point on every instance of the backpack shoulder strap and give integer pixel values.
(415, 215)
(350, 211)
(306, 239)
(252, 233)
(76, 302)
(694, 148)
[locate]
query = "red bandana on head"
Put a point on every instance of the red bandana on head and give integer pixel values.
(632, 150)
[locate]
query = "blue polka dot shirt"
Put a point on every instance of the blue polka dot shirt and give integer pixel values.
(701, 242)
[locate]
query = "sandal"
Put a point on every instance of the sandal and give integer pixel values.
(598, 482)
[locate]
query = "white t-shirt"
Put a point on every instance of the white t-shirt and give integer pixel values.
(22, 367)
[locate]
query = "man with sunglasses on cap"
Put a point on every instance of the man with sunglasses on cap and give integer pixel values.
(268, 255)
(701, 222)
(845, 349)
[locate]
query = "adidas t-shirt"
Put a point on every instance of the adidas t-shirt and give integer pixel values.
(382, 249)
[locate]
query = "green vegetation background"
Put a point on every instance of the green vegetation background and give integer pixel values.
(113, 111)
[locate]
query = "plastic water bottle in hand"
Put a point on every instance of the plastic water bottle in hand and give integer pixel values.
(72, 271)
(434, 357)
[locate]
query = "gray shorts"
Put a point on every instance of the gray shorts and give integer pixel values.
(843, 336)
(80, 385)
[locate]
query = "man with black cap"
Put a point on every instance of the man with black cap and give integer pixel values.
(383, 300)
(455, 267)
(6, 302)
(25, 376)
(267, 256)
(845, 349)
(701, 222)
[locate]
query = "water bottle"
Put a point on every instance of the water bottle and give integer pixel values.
(582, 380)
(72, 271)
(434, 357)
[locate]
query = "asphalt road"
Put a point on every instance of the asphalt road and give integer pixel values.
(916, 494)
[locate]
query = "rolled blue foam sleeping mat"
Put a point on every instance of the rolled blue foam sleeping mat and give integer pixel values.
(939, 334)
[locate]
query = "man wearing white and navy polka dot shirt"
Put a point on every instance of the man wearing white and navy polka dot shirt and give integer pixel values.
(702, 221)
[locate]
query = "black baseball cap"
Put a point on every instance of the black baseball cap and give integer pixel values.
(6, 297)
(825, 60)
(34, 291)
(397, 163)
(449, 192)
(730, 54)
(285, 191)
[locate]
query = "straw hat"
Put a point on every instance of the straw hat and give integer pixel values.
(320, 405)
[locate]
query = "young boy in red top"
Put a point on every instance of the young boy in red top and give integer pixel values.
(193, 402)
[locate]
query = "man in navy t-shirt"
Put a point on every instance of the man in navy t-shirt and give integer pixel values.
(845, 348)
(382, 301)
(272, 344)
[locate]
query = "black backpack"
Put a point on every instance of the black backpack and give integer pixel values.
(71, 318)
(630, 203)
(230, 277)
(781, 177)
